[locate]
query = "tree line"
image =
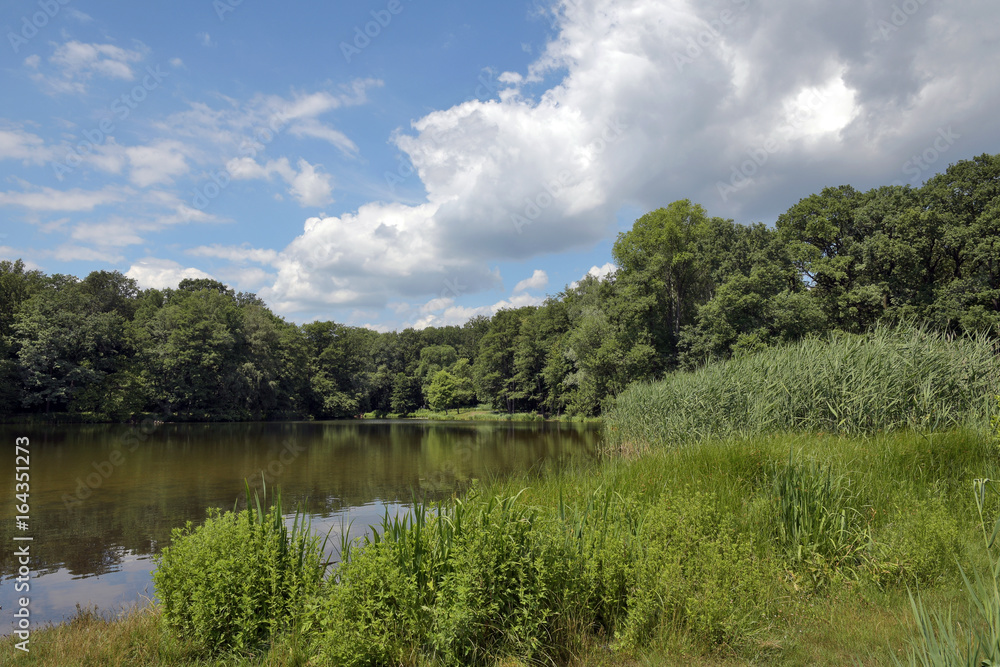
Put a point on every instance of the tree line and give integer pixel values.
(689, 288)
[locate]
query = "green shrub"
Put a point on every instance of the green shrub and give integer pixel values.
(364, 616)
(921, 544)
(942, 641)
(507, 587)
(473, 581)
(235, 581)
(697, 575)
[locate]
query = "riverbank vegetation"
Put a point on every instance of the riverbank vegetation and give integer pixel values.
(688, 288)
(793, 543)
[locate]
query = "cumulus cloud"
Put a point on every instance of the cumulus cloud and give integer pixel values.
(152, 272)
(743, 107)
(538, 280)
(444, 313)
(599, 272)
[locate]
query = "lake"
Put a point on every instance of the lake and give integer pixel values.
(104, 498)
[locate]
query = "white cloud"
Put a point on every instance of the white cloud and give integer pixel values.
(239, 254)
(156, 163)
(151, 272)
(74, 253)
(77, 15)
(633, 115)
(76, 63)
(107, 234)
(205, 39)
(308, 186)
(454, 315)
(49, 199)
(311, 127)
(17, 144)
(176, 62)
(538, 280)
(599, 272)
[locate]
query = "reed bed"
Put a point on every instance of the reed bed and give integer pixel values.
(902, 377)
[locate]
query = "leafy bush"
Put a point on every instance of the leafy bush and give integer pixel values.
(481, 578)
(922, 543)
(695, 572)
(940, 641)
(234, 581)
(365, 615)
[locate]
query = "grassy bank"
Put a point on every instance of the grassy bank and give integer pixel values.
(782, 549)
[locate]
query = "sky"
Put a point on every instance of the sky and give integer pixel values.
(397, 163)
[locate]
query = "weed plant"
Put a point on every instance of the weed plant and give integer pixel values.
(235, 581)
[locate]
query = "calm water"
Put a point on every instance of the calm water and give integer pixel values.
(103, 501)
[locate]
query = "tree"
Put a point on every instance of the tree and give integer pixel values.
(441, 393)
(493, 371)
(665, 271)
(406, 394)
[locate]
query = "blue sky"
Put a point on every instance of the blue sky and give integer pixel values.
(412, 163)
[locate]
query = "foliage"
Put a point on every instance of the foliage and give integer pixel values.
(942, 641)
(236, 580)
(695, 572)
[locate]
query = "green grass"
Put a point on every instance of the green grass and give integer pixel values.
(890, 379)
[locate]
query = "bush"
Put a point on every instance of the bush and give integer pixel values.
(921, 544)
(234, 582)
(474, 581)
(696, 574)
(364, 616)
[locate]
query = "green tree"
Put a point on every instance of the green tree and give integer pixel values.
(406, 394)
(441, 393)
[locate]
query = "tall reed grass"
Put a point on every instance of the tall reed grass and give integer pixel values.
(891, 378)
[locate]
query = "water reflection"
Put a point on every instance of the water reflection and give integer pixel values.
(103, 502)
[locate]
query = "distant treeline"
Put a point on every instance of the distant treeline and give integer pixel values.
(689, 289)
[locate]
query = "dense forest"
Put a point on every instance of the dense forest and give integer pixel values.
(689, 288)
